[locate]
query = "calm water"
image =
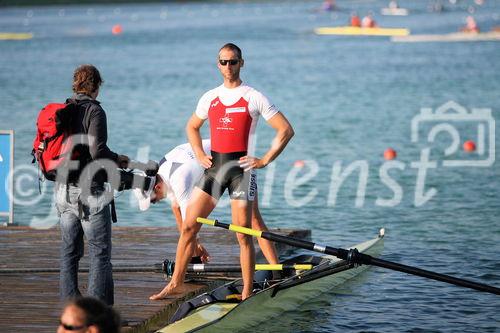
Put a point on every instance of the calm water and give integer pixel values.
(348, 100)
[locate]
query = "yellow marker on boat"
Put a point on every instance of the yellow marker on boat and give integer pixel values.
(15, 35)
(280, 267)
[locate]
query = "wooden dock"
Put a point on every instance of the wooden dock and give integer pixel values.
(29, 278)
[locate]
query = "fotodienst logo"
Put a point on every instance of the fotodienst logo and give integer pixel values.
(461, 125)
(448, 136)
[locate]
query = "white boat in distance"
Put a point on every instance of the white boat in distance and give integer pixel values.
(394, 11)
(452, 37)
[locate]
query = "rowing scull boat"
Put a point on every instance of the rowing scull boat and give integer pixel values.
(218, 311)
(214, 311)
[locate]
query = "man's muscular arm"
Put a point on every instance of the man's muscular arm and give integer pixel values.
(193, 133)
(284, 132)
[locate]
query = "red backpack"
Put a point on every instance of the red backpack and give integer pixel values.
(52, 145)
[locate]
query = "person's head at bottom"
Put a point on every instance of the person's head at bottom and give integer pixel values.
(88, 315)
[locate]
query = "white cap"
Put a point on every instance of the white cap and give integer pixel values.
(144, 197)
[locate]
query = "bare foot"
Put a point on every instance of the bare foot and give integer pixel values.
(169, 289)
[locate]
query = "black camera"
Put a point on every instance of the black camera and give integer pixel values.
(129, 178)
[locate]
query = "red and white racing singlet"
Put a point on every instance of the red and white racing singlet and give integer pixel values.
(233, 114)
(229, 126)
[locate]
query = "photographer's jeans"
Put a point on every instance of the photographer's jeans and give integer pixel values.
(93, 221)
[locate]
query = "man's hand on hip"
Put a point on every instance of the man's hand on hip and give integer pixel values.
(250, 162)
(205, 161)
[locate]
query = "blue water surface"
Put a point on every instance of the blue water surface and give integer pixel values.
(348, 98)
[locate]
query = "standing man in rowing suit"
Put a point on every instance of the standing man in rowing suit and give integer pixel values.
(177, 176)
(232, 110)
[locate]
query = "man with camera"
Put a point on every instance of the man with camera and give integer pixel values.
(82, 199)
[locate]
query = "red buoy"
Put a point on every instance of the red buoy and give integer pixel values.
(390, 154)
(117, 29)
(469, 146)
(299, 164)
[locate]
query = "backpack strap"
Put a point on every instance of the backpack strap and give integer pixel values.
(113, 211)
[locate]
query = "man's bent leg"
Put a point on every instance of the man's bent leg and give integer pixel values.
(200, 205)
(241, 213)
(267, 247)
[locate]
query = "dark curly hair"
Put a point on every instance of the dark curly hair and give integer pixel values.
(99, 314)
(86, 79)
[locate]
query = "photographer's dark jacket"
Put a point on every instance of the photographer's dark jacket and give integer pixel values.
(90, 119)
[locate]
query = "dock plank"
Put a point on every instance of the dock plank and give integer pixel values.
(29, 300)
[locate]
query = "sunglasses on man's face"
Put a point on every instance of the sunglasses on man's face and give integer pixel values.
(71, 327)
(232, 62)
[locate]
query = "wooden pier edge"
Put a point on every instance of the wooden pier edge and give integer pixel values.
(29, 301)
(162, 317)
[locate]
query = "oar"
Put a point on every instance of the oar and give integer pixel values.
(168, 267)
(353, 256)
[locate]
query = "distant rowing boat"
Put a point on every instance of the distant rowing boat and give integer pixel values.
(453, 37)
(218, 311)
(15, 36)
(356, 31)
(394, 11)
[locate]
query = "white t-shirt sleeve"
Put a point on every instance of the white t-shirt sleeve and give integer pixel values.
(204, 104)
(260, 104)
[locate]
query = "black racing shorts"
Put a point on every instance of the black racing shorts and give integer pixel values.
(226, 173)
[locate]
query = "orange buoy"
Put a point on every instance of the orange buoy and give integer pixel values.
(390, 154)
(117, 29)
(299, 164)
(469, 146)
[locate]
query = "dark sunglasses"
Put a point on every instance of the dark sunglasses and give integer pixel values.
(232, 62)
(71, 327)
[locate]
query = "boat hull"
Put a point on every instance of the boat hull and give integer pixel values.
(272, 301)
(453, 37)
